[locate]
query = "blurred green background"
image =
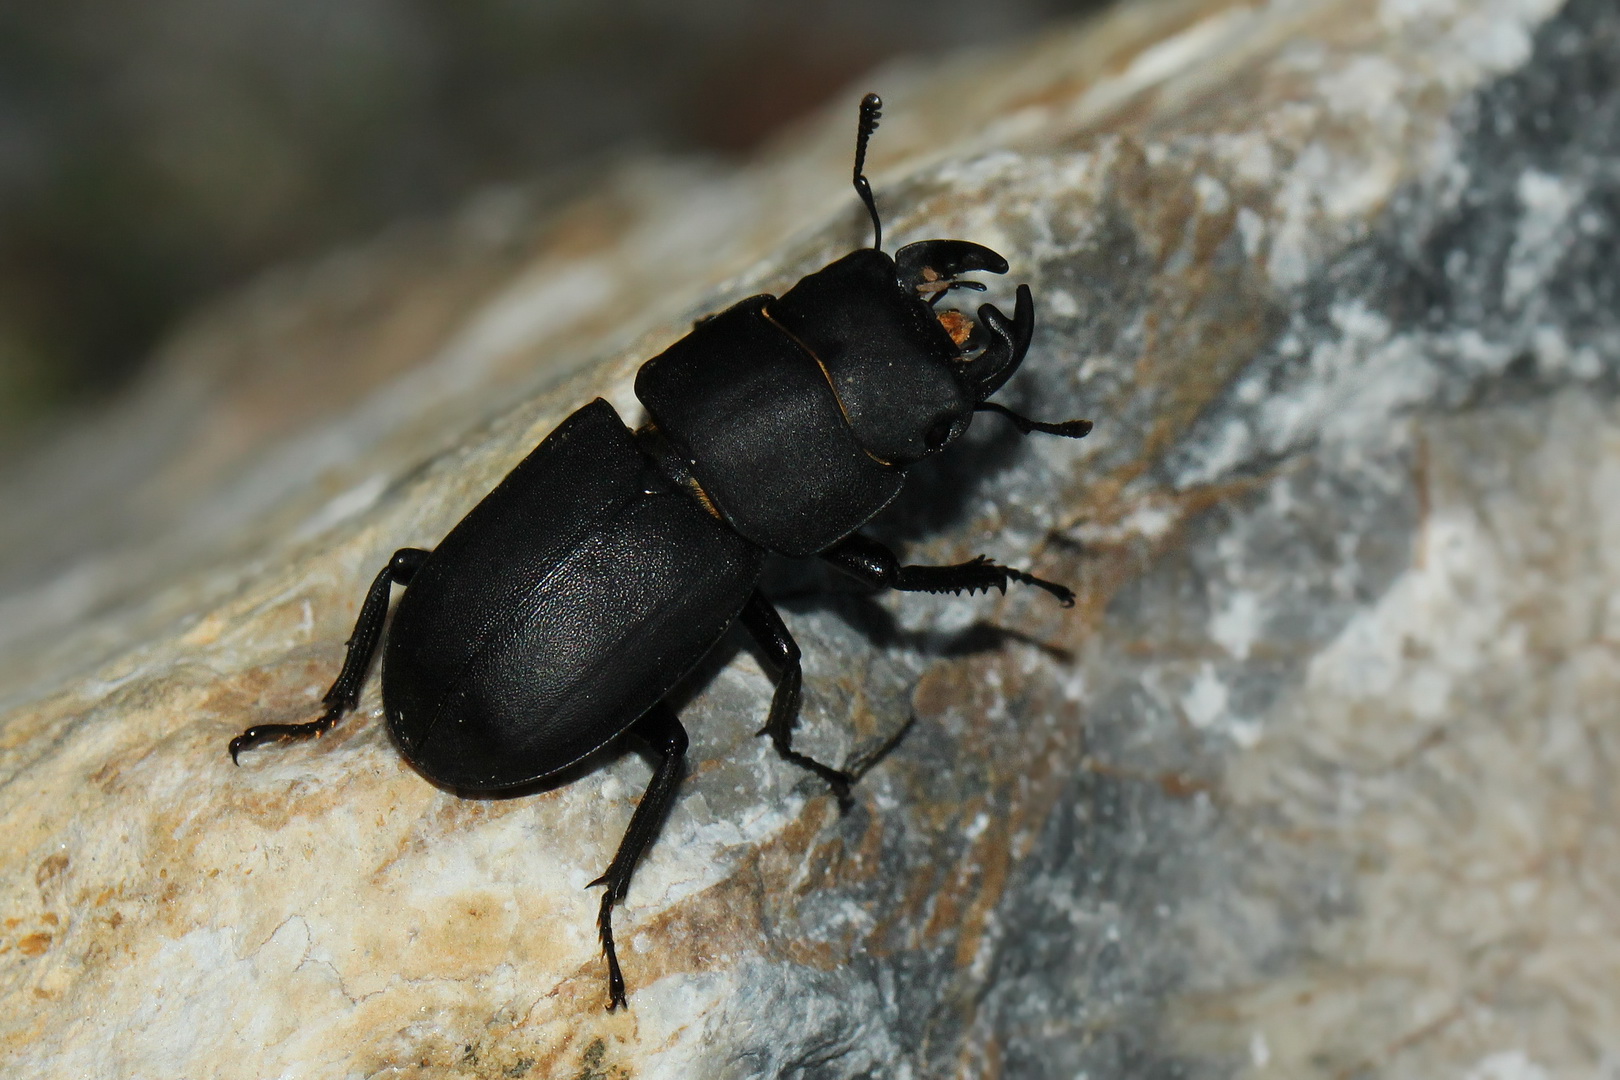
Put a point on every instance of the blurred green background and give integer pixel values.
(155, 153)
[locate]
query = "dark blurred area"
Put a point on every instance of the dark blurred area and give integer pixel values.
(155, 153)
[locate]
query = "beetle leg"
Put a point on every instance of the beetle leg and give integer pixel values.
(761, 620)
(866, 560)
(362, 643)
(661, 729)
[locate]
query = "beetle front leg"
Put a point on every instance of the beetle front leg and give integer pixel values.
(760, 619)
(866, 560)
(345, 692)
(661, 729)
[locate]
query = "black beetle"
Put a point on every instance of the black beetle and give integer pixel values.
(559, 613)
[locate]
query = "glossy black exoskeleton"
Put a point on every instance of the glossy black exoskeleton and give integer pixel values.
(562, 610)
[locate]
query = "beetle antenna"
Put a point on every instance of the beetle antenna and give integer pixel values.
(871, 113)
(1069, 429)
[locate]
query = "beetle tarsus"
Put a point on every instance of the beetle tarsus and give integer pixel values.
(345, 691)
(261, 733)
(604, 927)
(1064, 594)
(661, 729)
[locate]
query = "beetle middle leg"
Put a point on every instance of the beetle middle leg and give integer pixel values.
(345, 692)
(760, 619)
(661, 729)
(866, 560)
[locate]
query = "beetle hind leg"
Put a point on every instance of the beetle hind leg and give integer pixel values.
(767, 628)
(345, 692)
(661, 729)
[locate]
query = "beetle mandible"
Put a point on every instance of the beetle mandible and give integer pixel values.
(563, 609)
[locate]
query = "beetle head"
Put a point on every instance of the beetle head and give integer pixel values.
(908, 378)
(892, 364)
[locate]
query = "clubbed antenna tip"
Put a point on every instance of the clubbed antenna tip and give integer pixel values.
(871, 113)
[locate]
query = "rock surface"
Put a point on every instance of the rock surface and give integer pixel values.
(1316, 781)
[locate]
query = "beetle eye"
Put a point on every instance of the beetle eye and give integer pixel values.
(937, 435)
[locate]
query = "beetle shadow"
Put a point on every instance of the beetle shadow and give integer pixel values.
(805, 585)
(862, 613)
(941, 488)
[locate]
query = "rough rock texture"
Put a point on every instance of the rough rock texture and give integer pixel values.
(1316, 781)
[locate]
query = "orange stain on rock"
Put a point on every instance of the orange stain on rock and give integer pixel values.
(34, 944)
